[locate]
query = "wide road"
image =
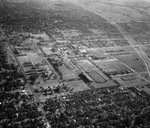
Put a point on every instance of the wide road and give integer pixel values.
(126, 36)
(28, 84)
(50, 66)
(144, 57)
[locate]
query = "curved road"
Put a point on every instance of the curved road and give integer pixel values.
(126, 36)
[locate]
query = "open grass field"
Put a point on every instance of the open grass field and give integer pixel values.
(106, 84)
(133, 61)
(47, 50)
(67, 74)
(24, 59)
(146, 49)
(78, 86)
(138, 30)
(34, 57)
(130, 81)
(46, 84)
(118, 49)
(120, 10)
(111, 66)
(85, 65)
(27, 42)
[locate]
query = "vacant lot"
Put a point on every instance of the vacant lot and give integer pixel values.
(129, 82)
(111, 66)
(78, 86)
(146, 49)
(134, 61)
(120, 10)
(67, 74)
(109, 83)
(139, 31)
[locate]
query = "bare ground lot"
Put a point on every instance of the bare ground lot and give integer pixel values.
(85, 65)
(67, 74)
(133, 61)
(120, 10)
(130, 81)
(146, 49)
(78, 86)
(111, 66)
(107, 84)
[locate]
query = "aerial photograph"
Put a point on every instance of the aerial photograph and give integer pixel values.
(74, 63)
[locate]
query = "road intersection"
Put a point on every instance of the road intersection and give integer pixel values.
(130, 40)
